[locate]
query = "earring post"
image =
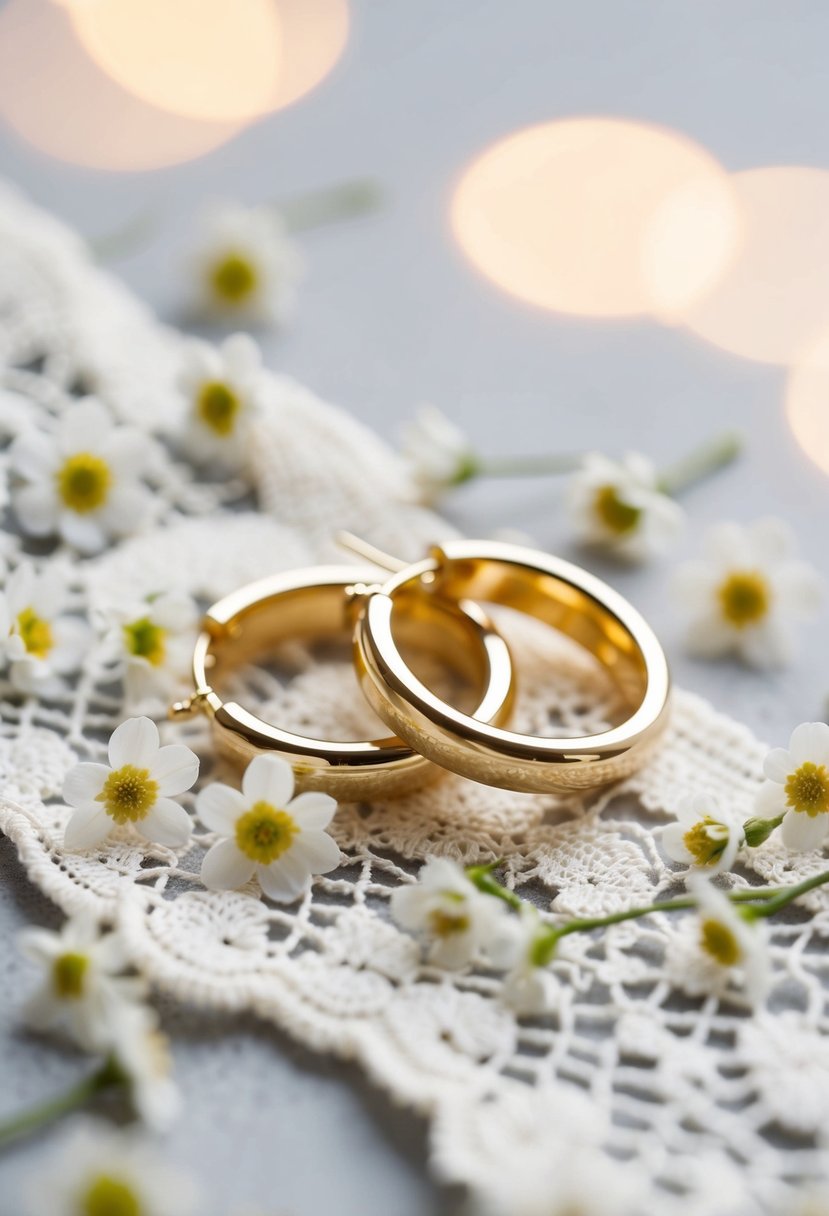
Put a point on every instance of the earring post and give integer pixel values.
(362, 548)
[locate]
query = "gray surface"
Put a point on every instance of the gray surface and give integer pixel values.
(389, 315)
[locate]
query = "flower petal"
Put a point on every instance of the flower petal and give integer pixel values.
(313, 810)
(802, 833)
(166, 823)
(810, 741)
(88, 826)
(225, 868)
(317, 851)
(770, 801)
(673, 842)
(34, 455)
(175, 768)
(268, 779)
(218, 806)
(84, 532)
(134, 742)
(84, 783)
(126, 510)
(284, 880)
(36, 507)
(778, 765)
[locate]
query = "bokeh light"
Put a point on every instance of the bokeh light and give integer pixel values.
(774, 299)
(597, 216)
(59, 101)
(807, 400)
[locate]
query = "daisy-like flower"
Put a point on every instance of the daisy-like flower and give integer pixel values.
(704, 836)
(618, 505)
(223, 387)
(106, 1172)
(449, 911)
(150, 641)
(746, 593)
(529, 986)
(246, 265)
(83, 988)
(38, 640)
(142, 1055)
(84, 480)
(438, 453)
(267, 831)
(727, 941)
(797, 787)
(134, 788)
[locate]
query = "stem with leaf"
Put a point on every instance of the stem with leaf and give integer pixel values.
(108, 1076)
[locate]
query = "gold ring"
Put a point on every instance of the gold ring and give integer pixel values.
(556, 592)
(321, 602)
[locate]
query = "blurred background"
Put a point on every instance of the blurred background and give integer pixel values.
(603, 224)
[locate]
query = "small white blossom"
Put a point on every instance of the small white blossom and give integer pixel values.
(746, 593)
(150, 642)
(246, 266)
(267, 831)
(102, 1170)
(574, 1180)
(618, 505)
(84, 480)
(143, 1057)
(447, 909)
(437, 452)
(134, 788)
(82, 987)
(529, 986)
(38, 639)
(727, 943)
(222, 386)
(705, 835)
(797, 787)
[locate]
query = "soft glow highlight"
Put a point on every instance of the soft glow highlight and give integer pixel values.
(807, 401)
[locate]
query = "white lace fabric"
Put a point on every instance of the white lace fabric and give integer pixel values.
(703, 1099)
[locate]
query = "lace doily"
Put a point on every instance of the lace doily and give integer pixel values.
(713, 1109)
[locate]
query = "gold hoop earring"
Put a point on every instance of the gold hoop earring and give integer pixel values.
(317, 603)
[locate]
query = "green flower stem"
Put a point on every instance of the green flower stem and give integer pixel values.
(786, 895)
(47, 1112)
(481, 876)
(701, 463)
(524, 466)
(333, 203)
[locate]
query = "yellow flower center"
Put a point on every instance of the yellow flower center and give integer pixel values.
(128, 793)
(146, 640)
(264, 833)
(807, 789)
(706, 840)
(444, 924)
(720, 943)
(69, 975)
(217, 406)
(617, 515)
(84, 482)
(35, 632)
(109, 1196)
(744, 598)
(234, 278)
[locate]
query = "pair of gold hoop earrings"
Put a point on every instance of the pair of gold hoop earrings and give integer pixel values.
(435, 601)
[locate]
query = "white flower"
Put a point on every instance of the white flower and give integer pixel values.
(134, 788)
(82, 987)
(151, 641)
(797, 787)
(83, 481)
(142, 1054)
(529, 986)
(103, 1172)
(38, 640)
(704, 835)
(222, 386)
(437, 452)
(444, 906)
(619, 506)
(245, 264)
(267, 832)
(574, 1180)
(744, 595)
(727, 941)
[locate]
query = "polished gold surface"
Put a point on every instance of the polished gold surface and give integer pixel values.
(554, 591)
(322, 602)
